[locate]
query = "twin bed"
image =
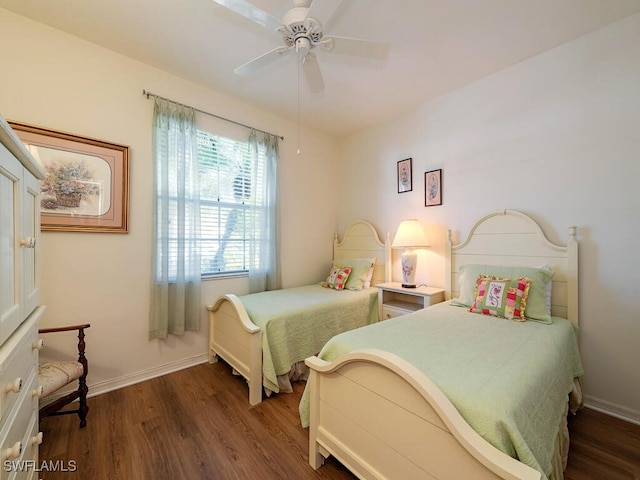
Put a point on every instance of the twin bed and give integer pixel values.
(265, 337)
(445, 393)
(441, 393)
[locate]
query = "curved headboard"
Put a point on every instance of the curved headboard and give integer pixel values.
(513, 238)
(361, 240)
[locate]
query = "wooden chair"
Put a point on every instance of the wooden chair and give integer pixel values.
(56, 374)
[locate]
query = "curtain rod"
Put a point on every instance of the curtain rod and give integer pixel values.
(149, 94)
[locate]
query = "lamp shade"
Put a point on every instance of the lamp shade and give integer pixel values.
(410, 235)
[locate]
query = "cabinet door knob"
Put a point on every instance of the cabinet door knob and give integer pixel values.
(14, 386)
(28, 242)
(37, 440)
(37, 392)
(38, 345)
(12, 452)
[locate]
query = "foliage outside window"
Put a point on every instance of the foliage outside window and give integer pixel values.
(231, 192)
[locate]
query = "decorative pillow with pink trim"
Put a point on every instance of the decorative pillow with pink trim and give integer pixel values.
(501, 297)
(337, 278)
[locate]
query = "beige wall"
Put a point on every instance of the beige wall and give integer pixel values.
(555, 136)
(57, 81)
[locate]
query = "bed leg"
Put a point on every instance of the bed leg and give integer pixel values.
(213, 356)
(255, 370)
(316, 460)
(255, 385)
(315, 449)
(255, 395)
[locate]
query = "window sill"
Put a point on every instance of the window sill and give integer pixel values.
(224, 276)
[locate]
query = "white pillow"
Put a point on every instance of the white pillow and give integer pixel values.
(367, 281)
(360, 268)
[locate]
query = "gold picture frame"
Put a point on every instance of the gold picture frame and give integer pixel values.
(87, 183)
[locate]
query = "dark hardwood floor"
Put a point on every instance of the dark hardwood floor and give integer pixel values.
(602, 447)
(197, 424)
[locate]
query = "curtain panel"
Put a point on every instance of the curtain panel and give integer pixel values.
(264, 267)
(175, 285)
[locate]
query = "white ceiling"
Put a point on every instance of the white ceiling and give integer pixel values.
(435, 46)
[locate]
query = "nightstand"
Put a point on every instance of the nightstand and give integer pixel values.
(394, 300)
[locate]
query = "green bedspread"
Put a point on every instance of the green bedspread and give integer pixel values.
(297, 322)
(509, 380)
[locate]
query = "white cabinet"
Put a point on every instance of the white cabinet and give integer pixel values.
(20, 308)
(395, 300)
(19, 248)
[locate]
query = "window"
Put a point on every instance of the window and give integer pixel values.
(231, 202)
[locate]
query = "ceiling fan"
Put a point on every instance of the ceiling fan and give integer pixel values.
(302, 32)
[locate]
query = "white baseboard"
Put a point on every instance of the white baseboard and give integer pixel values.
(133, 378)
(612, 409)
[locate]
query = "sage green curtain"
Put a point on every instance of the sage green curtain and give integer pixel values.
(175, 284)
(264, 267)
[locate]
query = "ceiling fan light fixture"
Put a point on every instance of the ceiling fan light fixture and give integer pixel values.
(309, 29)
(303, 46)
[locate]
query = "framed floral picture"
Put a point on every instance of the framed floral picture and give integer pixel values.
(87, 184)
(405, 183)
(433, 188)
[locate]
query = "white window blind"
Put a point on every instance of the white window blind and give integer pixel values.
(231, 193)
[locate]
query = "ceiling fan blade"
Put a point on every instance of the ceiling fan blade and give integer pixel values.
(250, 11)
(323, 10)
(259, 62)
(312, 73)
(355, 46)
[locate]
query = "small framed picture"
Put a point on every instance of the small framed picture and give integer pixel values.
(404, 176)
(433, 188)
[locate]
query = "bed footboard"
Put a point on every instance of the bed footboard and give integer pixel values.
(234, 337)
(382, 419)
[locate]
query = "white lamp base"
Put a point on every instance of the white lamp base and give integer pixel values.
(409, 260)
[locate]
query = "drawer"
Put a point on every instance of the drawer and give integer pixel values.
(28, 465)
(17, 356)
(392, 312)
(19, 425)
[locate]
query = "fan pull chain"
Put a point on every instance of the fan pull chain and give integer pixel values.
(298, 103)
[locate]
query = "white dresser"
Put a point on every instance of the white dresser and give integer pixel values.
(20, 308)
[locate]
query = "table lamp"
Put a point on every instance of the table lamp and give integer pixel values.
(410, 235)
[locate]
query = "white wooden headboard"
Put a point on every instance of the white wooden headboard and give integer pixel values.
(512, 238)
(361, 240)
